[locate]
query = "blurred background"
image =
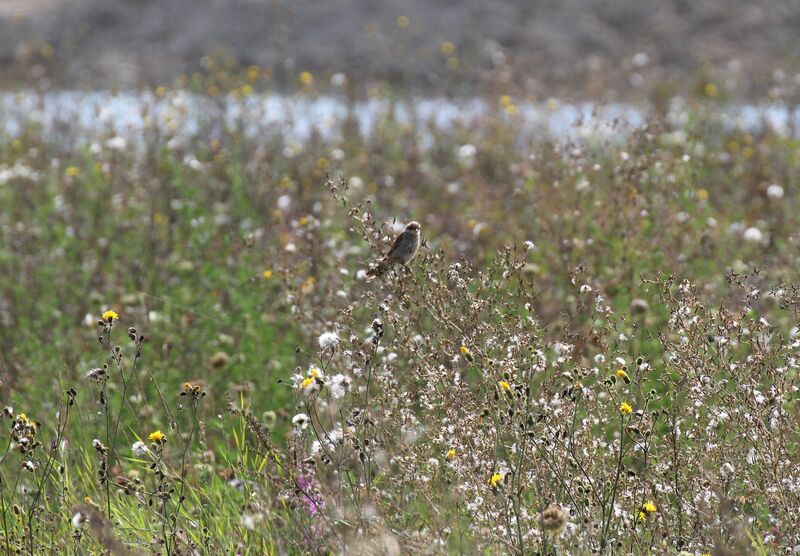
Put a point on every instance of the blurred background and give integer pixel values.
(571, 49)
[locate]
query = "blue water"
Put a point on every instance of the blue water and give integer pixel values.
(179, 115)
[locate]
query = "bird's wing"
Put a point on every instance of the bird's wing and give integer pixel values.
(396, 242)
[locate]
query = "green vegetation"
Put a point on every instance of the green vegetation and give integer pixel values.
(595, 351)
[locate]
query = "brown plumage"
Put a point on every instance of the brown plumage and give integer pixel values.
(403, 249)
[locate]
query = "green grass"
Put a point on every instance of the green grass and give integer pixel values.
(180, 251)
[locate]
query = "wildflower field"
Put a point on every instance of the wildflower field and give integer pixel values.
(596, 350)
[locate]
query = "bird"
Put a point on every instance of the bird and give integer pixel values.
(403, 249)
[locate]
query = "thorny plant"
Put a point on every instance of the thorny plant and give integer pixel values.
(609, 390)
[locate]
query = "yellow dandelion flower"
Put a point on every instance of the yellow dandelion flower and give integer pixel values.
(464, 350)
(702, 195)
(711, 90)
(110, 315)
(649, 507)
(451, 453)
(303, 221)
(267, 274)
(496, 479)
(246, 90)
(187, 386)
(402, 22)
(253, 73)
(504, 385)
(621, 373)
(305, 78)
(625, 408)
(72, 171)
(308, 381)
(161, 91)
(157, 436)
(448, 48)
(314, 371)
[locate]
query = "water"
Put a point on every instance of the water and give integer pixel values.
(182, 116)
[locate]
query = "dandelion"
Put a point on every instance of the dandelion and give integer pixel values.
(623, 375)
(110, 315)
(774, 191)
(300, 421)
(496, 479)
(305, 78)
(504, 385)
(753, 234)
(328, 339)
(466, 353)
(448, 48)
(72, 171)
(451, 454)
(625, 408)
(267, 274)
(645, 510)
(157, 436)
(339, 385)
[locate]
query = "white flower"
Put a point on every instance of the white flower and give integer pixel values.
(586, 288)
(117, 143)
(339, 384)
(139, 448)
(753, 234)
(775, 191)
(328, 339)
(300, 421)
(726, 470)
(529, 246)
(467, 152)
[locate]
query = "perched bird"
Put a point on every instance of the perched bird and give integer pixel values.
(403, 249)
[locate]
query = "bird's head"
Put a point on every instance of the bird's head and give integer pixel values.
(413, 227)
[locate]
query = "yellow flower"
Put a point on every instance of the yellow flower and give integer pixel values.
(710, 90)
(402, 21)
(451, 453)
(466, 353)
(702, 195)
(110, 315)
(496, 479)
(161, 91)
(641, 517)
(313, 371)
(157, 436)
(504, 385)
(303, 221)
(448, 48)
(267, 274)
(187, 386)
(623, 375)
(305, 78)
(246, 90)
(308, 381)
(625, 408)
(72, 171)
(649, 508)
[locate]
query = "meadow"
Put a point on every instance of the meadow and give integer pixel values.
(596, 350)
